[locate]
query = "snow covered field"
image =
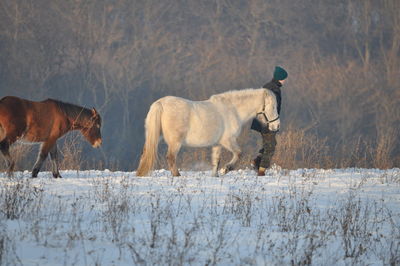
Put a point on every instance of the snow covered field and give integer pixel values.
(305, 216)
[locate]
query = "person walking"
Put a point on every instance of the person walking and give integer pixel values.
(263, 159)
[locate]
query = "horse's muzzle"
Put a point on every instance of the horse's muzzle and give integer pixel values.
(97, 143)
(274, 126)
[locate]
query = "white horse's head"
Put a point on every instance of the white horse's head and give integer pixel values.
(269, 111)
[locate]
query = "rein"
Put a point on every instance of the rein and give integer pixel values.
(75, 122)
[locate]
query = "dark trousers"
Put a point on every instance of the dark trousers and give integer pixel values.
(268, 149)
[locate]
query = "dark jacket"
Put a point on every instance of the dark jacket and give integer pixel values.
(275, 86)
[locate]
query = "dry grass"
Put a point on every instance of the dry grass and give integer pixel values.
(71, 153)
(70, 156)
(296, 149)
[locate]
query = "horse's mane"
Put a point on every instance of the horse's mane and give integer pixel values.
(75, 112)
(236, 94)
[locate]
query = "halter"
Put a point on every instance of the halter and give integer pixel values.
(265, 116)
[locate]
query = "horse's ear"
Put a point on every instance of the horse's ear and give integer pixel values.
(94, 112)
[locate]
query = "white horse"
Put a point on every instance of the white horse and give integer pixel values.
(215, 122)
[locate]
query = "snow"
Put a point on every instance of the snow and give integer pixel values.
(303, 216)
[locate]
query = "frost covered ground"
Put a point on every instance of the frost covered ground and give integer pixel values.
(305, 216)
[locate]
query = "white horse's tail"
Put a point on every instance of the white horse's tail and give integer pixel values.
(153, 130)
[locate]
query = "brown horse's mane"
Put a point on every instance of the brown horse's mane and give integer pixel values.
(75, 112)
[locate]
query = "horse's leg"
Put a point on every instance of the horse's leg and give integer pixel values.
(232, 146)
(44, 151)
(172, 152)
(54, 161)
(215, 159)
(5, 150)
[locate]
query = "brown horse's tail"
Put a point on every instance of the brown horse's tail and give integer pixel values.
(153, 130)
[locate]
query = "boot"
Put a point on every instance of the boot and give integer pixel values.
(256, 163)
(261, 171)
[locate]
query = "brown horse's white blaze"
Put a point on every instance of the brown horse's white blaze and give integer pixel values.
(44, 122)
(216, 122)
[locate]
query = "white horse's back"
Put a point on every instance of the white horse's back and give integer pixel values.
(193, 123)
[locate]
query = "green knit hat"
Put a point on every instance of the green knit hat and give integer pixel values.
(280, 73)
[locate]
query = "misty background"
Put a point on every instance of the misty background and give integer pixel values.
(341, 103)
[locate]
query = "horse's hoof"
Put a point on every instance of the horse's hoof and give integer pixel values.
(35, 173)
(10, 174)
(223, 171)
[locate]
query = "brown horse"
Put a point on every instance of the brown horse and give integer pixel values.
(44, 122)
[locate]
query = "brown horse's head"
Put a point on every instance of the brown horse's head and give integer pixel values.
(91, 130)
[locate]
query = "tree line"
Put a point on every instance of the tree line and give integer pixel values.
(340, 104)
